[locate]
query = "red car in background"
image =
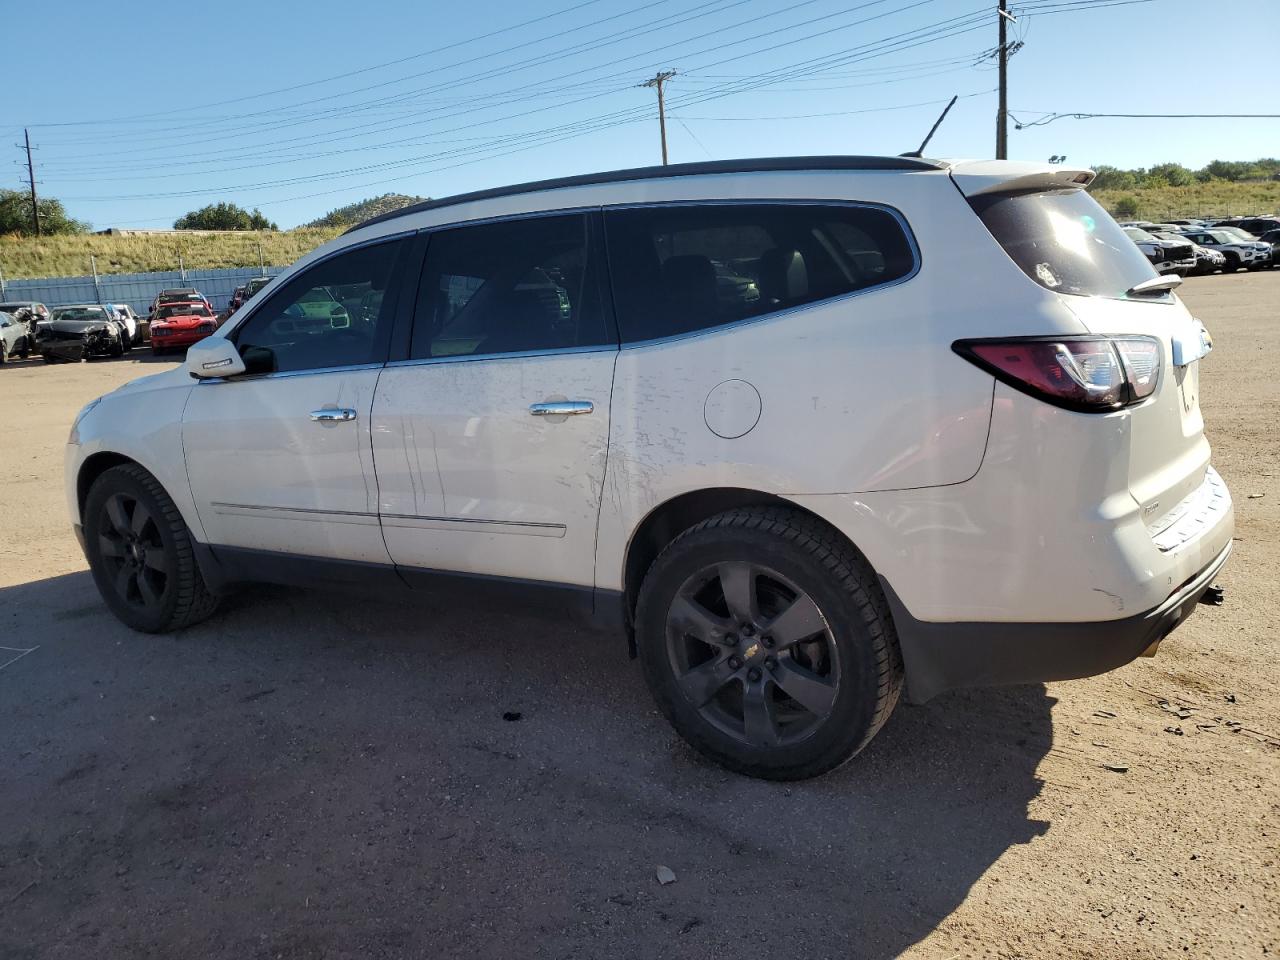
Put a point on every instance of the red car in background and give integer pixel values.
(178, 325)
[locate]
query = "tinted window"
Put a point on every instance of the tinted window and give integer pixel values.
(509, 287)
(1065, 242)
(332, 315)
(682, 268)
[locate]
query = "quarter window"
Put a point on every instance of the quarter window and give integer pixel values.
(335, 314)
(681, 268)
(509, 287)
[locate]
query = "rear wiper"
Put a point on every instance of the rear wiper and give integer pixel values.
(1154, 285)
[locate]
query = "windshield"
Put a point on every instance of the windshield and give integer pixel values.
(182, 310)
(80, 313)
(254, 286)
(1137, 233)
(1065, 242)
(1221, 236)
(1237, 233)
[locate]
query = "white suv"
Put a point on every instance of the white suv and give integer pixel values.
(814, 432)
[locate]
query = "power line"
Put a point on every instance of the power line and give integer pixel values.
(930, 33)
(1024, 124)
(894, 43)
(338, 76)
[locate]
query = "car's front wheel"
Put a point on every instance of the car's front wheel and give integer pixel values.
(767, 643)
(140, 553)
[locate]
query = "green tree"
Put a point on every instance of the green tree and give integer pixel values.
(223, 216)
(1228, 170)
(15, 215)
(1126, 207)
(1113, 178)
(1174, 174)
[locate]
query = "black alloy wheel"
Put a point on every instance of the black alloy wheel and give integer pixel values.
(753, 654)
(767, 642)
(141, 553)
(133, 553)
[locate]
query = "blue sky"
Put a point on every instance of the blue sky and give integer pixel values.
(297, 108)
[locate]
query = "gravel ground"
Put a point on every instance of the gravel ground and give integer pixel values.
(306, 777)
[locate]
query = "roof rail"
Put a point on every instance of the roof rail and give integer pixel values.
(763, 165)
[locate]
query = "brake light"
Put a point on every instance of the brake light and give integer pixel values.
(1086, 374)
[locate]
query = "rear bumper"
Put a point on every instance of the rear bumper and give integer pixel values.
(947, 656)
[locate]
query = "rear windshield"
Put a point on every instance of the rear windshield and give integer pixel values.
(1065, 242)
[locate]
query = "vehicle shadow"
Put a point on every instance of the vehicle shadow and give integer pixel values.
(313, 775)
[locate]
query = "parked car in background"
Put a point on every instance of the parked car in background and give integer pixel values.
(30, 312)
(81, 331)
(1263, 246)
(1239, 253)
(179, 295)
(237, 298)
(15, 337)
(1254, 226)
(655, 449)
(253, 286)
(1167, 256)
(1207, 261)
(1272, 237)
(124, 313)
(178, 325)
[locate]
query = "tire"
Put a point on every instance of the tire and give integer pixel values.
(4, 353)
(25, 350)
(144, 566)
(1232, 264)
(157, 351)
(726, 683)
(46, 356)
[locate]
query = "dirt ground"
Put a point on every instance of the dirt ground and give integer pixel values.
(310, 776)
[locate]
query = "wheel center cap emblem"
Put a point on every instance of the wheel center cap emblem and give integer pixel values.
(751, 652)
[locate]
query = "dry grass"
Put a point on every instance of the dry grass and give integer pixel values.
(1218, 198)
(69, 256)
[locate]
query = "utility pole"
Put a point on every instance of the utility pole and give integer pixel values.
(658, 80)
(31, 176)
(1003, 17)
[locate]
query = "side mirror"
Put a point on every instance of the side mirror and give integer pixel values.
(213, 357)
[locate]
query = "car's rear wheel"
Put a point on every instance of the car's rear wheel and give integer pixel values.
(767, 643)
(140, 552)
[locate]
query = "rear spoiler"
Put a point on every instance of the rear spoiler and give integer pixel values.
(978, 177)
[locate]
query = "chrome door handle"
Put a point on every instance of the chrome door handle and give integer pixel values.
(333, 415)
(562, 408)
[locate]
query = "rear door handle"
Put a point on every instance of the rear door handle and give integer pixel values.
(562, 408)
(333, 415)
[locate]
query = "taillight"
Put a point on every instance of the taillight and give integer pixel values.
(1086, 374)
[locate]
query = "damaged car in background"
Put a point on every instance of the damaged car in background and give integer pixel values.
(178, 325)
(81, 332)
(1167, 256)
(1207, 261)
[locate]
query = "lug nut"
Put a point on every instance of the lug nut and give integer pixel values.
(735, 663)
(768, 643)
(771, 663)
(730, 638)
(748, 629)
(753, 674)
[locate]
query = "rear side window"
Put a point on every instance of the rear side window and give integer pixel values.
(1066, 242)
(510, 287)
(681, 268)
